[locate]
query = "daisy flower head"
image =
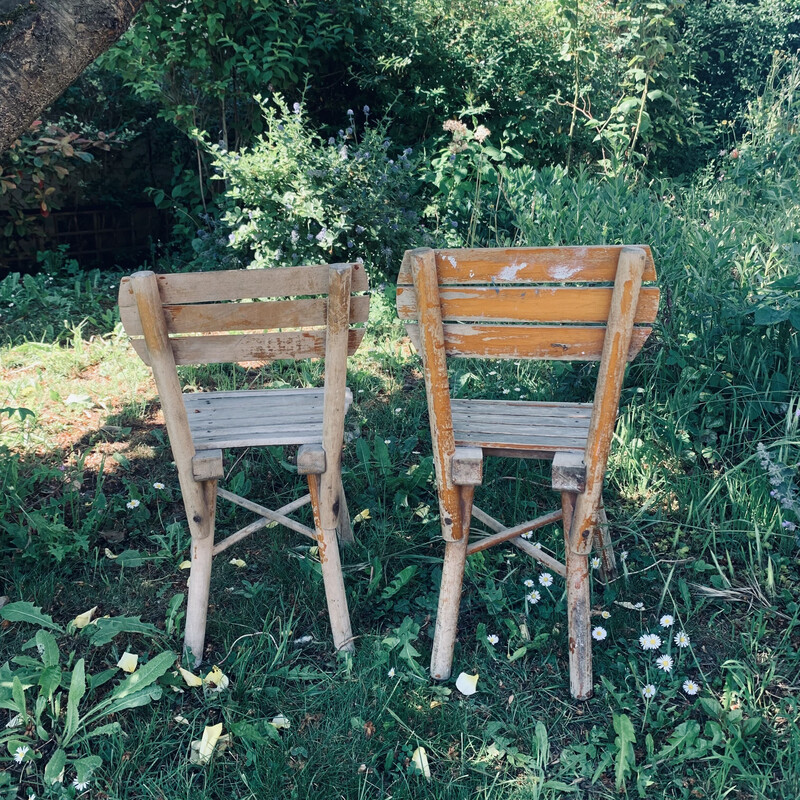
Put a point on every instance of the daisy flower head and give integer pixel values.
(533, 597)
(648, 691)
(20, 753)
(599, 633)
(546, 579)
(131, 504)
(605, 614)
(667, 621)
(158, 485)
(529, 583)
(596, 562)
(493, 638)
(681, 639)
(664, 663)
(80, 785)
(650, 641)
(391, 672)
(691, 687)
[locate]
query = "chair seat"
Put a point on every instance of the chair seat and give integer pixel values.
(253, 418)
(541, 429)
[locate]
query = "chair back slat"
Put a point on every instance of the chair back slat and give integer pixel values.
(205, 303)
(516, 304)
(595, 264)
(523, 303)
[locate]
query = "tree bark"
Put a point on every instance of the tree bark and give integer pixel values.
(44, 46)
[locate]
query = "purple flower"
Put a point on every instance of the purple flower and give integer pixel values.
(366, 110)
(331, 140)
(296, 108)
(231, 238)
(349, 112)
(322, 234)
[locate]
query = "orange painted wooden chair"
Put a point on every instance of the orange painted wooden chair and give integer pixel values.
(196, 318)
(558, 303)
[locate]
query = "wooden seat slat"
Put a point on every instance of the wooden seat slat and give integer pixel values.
(223, 285)
(265, 347)
(528, 265)
(525, 408)
(515, 304)
(215, 317)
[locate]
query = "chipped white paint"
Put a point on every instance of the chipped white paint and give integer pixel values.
(563, 272)
(510, 272)
(453, 262)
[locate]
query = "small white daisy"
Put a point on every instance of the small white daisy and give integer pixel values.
(546, 579)
(667, 621)
(690, 687)
(529, 583)
(398, 411)
(533, 597)
(599, 633)
(650, 641)
(20, 753)
(665, 663)
(506, 391)
(624, 557)
(493, 372)
(681, 639)
(387, 441)
(648, 691)
(158, 485)
(605, 614)
(638, 606)
(80, 785)
(596, 562)
(391, 672)
(132, 504)
(493, 638)
(527, 535)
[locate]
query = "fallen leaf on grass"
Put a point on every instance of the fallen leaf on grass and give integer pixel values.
(189, 678)
(281, 722)
(202, 750)
(419, 759)
(237, 562)
(185, 565)
(82, 620)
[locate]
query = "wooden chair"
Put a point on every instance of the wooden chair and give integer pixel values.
(194, 319)
(562, 303)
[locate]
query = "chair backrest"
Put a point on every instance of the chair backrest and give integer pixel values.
(262, 328)
(535, 303)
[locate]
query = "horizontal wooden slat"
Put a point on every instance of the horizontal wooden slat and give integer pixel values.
(528, 265)
(525, 408)
(215, 317)
(535, 342)
(242, 284)
(264, 347)
(533, 304)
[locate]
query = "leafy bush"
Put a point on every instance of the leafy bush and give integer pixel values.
(296, 198)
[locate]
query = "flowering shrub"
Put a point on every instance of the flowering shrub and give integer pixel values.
(295, 197)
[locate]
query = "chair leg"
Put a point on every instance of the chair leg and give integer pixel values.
(604, 547)
(331, 574)
(455, 557)
(344, 529)
(200, 575)
(578, 609)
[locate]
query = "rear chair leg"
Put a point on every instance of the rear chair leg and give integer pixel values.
(604, 547)
(344, 529)
(332, 576)
(578, 609)
(200, 574)
(455, 557)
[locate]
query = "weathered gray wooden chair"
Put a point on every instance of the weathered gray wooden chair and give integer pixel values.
(194, 318)
(559, 303)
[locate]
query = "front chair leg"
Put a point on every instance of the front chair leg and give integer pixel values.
(578, 609)
(345, 528)
(332, 576)
(200, 573)
(455, 558)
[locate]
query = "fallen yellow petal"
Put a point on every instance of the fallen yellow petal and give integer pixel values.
(82, 620)
(203, 749)
(419, 759)
(237, 562)
(362, 515)
(109, 554)
(189, 678)
(281, 722)
(216, 680)
(185, 565)
(466, 684)
(128, 662)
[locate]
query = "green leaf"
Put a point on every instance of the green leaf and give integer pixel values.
(134, 700)
(18, 695)
(402, 579)
(147, 674)
(104, 630)
(49, 681)
(55, 766)
(77, 689)
(48, 648)
(625, 758)
(765, 315)
(28, 612)
(86, 766)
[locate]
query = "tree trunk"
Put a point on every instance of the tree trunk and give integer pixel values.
(44, 46)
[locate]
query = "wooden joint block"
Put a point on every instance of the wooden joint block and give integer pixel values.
(207, 465)
(466, 466)
(569, 471)
(311, 459)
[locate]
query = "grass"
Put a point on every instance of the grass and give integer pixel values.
(691, 505)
